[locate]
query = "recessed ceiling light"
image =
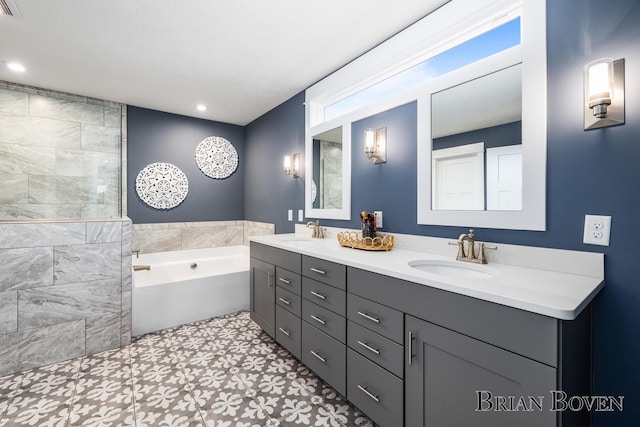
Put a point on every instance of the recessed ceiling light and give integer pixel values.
(17, 67)
(201, 107)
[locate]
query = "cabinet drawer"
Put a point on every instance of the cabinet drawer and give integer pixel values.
(325, 271)
(325, 356)
(288, 328)
(377, 317)
(324, 295)
(374, 391)
(286, 259)
(288, 280)
(325, 320)
(289, 301)
(376, 348)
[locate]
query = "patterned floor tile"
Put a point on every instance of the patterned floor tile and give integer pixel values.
(221, 372)
(104, 390)
(9, 386)
(44, 396)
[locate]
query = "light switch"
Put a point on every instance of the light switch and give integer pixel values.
(290, 215)
(300, 215)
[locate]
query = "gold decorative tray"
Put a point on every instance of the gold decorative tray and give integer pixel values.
(354, 239)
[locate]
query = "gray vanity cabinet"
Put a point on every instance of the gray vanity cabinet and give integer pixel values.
(323, 320)
(262, 296)
(412, 355)
(452, 379)
(276, 271)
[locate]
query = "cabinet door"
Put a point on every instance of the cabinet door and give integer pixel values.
(455, 380)
(263, 293)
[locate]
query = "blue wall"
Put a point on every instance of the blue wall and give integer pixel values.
(269, 193)
(154, 136)
(588, 172)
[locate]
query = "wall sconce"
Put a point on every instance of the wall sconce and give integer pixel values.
(375, 144)
(292, 167)
(603, 93)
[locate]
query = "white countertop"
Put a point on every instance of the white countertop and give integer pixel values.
(557, 294)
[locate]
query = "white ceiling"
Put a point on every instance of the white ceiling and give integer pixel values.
(239, 57)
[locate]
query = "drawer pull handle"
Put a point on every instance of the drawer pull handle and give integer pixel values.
(322, 359)
(315, 270)
(285, 301)
(283, 280)
(368, 393)
(368, 347)
(284, 331)
(366, 316)
(319, 320)
(315, 294)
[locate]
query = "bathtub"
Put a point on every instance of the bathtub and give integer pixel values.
(185, 286)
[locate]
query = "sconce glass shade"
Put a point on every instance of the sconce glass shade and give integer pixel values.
(598, 75)
(287, 165)
(604, 93)
(375, 144)
(292, 167)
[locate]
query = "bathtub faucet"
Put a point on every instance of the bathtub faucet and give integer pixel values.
(141, 267)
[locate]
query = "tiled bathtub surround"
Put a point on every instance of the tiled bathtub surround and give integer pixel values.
(176, 236)
(65, 290)
(60, 154)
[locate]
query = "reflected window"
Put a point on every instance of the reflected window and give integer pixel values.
(496, 40)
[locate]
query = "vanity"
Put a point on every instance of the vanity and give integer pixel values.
(412, 337)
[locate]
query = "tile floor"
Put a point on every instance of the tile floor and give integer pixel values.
(220, 372)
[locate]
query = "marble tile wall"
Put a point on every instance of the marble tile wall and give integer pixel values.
(150, 238)
(60, 155)
(65, 290)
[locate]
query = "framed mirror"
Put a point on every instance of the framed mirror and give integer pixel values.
(328, 178)
(481, 159)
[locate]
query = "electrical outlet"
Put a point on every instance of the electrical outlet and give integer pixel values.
(597, 230)
(290, 215)
(300, 215)
(378, 215)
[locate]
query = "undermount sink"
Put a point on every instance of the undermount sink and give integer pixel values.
(297, 241)
(453, 269)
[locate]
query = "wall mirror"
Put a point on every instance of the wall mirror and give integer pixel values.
(467, 175)
(328, 180)
(476, 159)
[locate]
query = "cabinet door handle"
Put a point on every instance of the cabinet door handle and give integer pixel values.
(322, 359)
(284, 331)
(368, 347)
(366, 316)
(319, 320)
(315, 294)
(283, 280)
(269, 280)
(285, 301)
(315, 270)
(368, 393)
(410, 348)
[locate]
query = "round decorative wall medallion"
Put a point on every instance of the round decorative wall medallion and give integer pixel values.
(216, 157)
(162, 185)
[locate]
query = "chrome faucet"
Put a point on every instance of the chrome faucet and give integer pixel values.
(468, 252)
(318, 231)
(141, 267)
